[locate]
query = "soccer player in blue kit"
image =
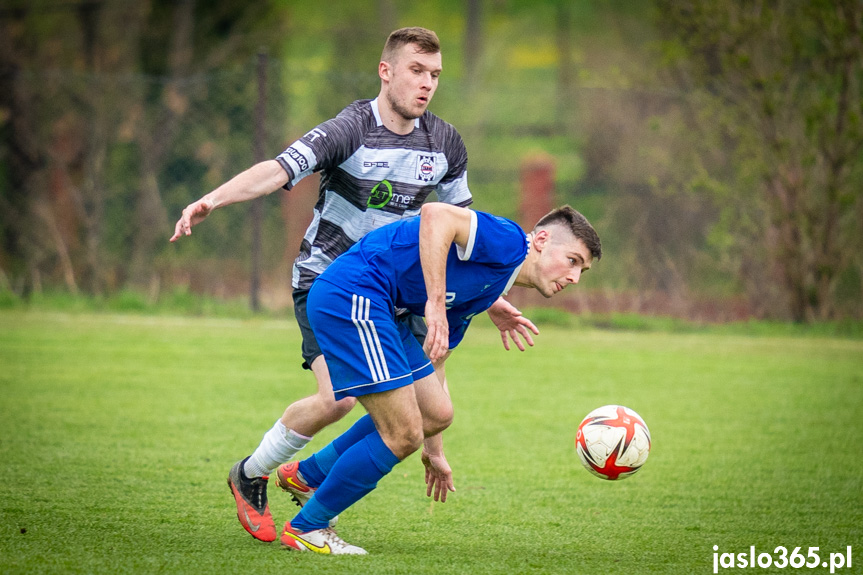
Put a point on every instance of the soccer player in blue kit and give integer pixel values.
(379, 160)
(448, 265)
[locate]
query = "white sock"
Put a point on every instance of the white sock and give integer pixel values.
(278, 445)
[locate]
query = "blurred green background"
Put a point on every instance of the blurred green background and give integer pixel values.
(715, 145)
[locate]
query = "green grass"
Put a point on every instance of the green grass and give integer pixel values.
(179, 301)
(117, 432)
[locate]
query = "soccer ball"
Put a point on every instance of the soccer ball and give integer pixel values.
(612, 442)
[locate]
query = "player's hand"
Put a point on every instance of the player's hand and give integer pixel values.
(508, 319)
(192, 215)
(436, 343)
(438, 476)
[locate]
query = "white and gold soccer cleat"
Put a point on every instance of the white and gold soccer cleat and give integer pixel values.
(318, 540)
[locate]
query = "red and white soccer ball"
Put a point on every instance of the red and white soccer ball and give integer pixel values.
(613, 442)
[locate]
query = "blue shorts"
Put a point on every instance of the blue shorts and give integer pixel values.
(367, 349)
(310, 348)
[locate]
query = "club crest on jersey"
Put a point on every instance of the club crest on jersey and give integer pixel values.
(425, 168)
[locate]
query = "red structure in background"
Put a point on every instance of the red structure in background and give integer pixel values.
(536, 198)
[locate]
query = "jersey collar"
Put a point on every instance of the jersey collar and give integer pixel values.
(518, 269)
(377, 112)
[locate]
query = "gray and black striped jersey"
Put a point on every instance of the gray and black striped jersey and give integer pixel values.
(370, 177)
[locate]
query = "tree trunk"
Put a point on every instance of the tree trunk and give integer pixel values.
(25, 163)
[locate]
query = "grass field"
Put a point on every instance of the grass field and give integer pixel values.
(117, 433)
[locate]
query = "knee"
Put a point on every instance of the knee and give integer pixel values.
(332, 410)
(438, 420)
(340, 408)
(405, 441)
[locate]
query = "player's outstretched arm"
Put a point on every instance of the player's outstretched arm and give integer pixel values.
(511, 323)
(259, 180)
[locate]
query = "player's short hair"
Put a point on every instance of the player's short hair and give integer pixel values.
(576, 223)
(426, 40)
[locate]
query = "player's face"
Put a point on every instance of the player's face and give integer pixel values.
(412, 81)
(562, 261)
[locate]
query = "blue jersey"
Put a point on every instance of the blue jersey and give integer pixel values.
(387, 262)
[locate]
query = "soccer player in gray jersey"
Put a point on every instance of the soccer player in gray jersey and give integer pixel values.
(379, 161)
(371, 176)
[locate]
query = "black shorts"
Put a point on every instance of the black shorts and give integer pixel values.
(310, 347)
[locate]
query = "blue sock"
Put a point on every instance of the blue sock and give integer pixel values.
(315, 468)
(357, 432)
(355, 474)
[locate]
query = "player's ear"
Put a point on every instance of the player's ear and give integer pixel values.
(384, 71)
(540, 239)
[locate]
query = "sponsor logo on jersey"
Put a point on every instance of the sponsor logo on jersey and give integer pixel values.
(376, 164)
(425, 168)
(299, 159)
(314, 134)
(380, 195)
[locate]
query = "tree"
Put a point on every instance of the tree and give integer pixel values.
(36, 218)
(93, 96)
(776, 84)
